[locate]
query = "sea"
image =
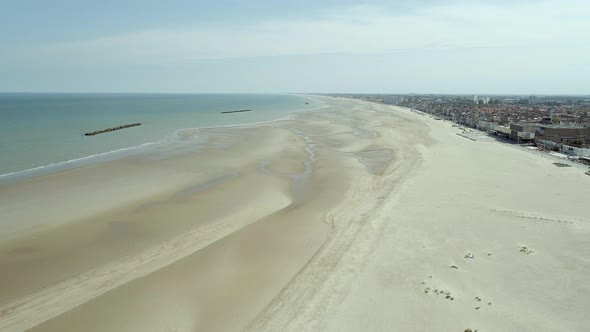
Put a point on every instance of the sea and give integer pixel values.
(41, 133)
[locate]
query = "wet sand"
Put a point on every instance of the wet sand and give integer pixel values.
(338, 219)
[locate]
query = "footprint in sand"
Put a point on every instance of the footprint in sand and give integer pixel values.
(479, 299)
(448, 295)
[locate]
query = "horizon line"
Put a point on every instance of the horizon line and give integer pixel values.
(307, 93)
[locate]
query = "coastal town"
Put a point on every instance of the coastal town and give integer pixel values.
(559, 125)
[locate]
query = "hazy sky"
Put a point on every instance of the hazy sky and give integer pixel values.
(432, 46)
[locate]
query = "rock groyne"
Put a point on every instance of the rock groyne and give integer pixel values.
(112, 129)
(238, 111)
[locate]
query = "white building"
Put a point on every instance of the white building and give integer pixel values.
(575, 151)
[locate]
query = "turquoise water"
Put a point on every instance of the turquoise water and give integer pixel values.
(40, 130)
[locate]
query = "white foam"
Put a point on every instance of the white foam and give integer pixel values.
(78, 162)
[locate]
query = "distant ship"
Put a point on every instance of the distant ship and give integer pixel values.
(238, 111)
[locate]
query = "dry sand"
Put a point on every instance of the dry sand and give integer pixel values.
(357, 217)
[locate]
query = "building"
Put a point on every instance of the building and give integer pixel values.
(532, 100)
(523, 132)
(574, 136)
(574, 150)
(547, 145)
(486, 125)
(502, 131)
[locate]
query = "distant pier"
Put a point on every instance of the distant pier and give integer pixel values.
(238, 111)
(112, 129)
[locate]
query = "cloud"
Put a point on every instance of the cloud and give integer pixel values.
(353, 29)
(496, 47)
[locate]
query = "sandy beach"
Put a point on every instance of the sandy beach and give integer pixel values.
(356, 217)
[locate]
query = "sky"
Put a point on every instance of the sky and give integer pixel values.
(260, 46)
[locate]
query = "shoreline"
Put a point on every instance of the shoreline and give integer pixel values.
(129, 151)
(282, 159)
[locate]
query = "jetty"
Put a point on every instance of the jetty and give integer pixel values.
(92, 133)
(238, 111)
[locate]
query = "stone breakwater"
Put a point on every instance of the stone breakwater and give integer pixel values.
(112, 129)
(238, 111)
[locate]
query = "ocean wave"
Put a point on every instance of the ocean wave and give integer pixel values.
(77, 162)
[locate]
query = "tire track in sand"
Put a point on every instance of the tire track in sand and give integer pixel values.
(354, 231)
